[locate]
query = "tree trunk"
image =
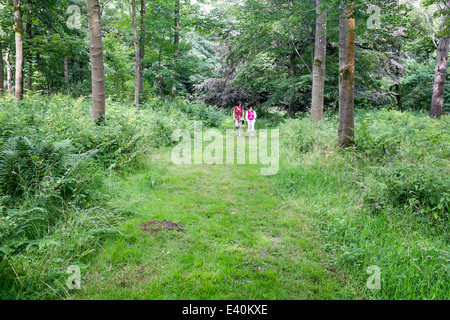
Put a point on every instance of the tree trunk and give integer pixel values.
(96, 53)
(346, 76)
(2, 74)
(440, 73)
(176, 41)
(9, 70)
(320, 48)
(18, 26)
(293, 75)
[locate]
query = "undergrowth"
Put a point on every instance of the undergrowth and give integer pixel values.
(383, 202)
(55, 208)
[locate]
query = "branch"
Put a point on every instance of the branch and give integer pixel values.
(428, 22)
(420, 58)
(295, 47)
(429, 25)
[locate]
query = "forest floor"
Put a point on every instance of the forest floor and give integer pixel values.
(210, 232)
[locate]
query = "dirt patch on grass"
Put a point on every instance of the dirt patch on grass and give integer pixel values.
(156, 226)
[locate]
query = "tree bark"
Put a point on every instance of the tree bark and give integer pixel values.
(19, 49)
(176, 41)
(346, 76)
(96, 53)
(440, 73)
(320, 48)
(2, 74)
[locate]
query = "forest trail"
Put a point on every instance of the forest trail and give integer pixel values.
(232, 237)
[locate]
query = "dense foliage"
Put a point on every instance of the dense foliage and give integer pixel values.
(53, 165)
(385, 203)
(57, 201)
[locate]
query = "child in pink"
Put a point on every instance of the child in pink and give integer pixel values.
(250, 116)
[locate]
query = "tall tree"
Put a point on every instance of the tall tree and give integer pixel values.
(440, 73)
(97, 64)
(346, 75)
(18, 26)
(320, 48)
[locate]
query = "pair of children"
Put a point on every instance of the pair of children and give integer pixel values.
(238, 117)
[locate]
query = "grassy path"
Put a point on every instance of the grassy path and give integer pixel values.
(239, 240)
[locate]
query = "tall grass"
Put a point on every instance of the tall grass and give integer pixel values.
(385, 202)
(55, 208)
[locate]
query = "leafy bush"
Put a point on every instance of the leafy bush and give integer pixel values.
(417, 188)
(399, 159)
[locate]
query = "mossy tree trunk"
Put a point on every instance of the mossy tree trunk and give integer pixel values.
(320, 48)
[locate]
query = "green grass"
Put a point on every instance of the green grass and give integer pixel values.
(352, 201)
(412, 257)
(266, 250)
(309, 232)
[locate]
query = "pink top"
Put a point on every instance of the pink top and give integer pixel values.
(238, 111)
(251, 115)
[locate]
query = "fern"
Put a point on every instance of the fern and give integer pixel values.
(25, 164)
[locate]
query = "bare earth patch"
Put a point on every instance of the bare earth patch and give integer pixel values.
(155, 226)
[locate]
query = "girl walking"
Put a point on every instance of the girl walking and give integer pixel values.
(238, 117)
(250, 116)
